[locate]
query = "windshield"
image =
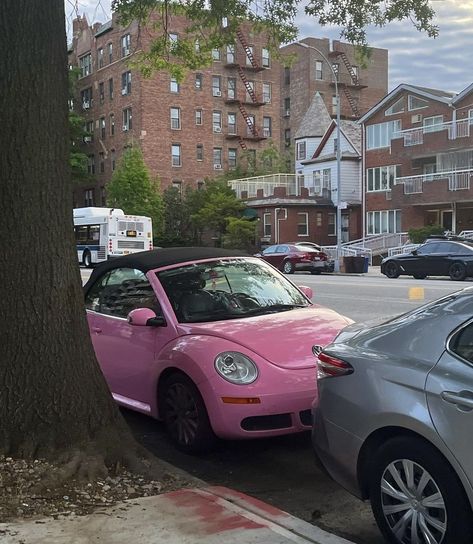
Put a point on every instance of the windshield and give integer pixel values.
(228, 289)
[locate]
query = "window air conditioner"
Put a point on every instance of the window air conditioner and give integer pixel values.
(217, 93)
(86, 105)
(124, 92)
(217, 166)
(217, 129)
(87, 139)
(287, 113)
(416, 118)
(125, 128)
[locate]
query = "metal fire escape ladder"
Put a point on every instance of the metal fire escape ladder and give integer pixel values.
(349, 68)
(247, 49)
(251, 125)
(242, 143)
(352, 102)
(247, 84)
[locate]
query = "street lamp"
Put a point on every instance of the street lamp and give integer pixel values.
(338, 153)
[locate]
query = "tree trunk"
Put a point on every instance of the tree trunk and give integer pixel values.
(53, 397)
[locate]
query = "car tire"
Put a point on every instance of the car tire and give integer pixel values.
(288, 267)
(419, 276)
(87, 259)
(391, 270)
(185, 415)
(400, 507)
(457, 272)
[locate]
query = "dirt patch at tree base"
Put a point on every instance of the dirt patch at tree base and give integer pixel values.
(24, 495)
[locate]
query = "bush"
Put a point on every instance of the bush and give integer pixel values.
(418, 236)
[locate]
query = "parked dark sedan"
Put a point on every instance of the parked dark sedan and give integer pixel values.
(289, 258)
(437, 257)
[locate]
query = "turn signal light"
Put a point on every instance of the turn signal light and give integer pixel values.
(330, 367)
(240, 400)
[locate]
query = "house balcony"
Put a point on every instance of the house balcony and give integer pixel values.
(458, 180)
(451, 130)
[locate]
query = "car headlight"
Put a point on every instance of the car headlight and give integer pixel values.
(236, 367)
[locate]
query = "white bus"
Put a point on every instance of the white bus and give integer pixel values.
(102, 233)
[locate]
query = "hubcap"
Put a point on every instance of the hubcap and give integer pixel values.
(181, 414)
(456, 271)
(412, 504)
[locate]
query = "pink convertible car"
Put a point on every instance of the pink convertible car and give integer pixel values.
(212, 342)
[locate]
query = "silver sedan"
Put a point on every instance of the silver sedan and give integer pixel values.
(394, 420)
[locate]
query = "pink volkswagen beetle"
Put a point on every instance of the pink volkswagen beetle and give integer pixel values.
(212, 342)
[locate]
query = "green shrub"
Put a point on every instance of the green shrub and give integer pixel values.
(418, 236)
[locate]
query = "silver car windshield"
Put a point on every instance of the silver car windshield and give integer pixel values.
(228, 289)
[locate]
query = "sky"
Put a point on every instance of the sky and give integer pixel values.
(443, 63)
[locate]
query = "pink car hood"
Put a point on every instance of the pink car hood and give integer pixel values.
(285, 338)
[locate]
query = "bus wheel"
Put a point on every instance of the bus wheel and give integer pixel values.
(87, 259)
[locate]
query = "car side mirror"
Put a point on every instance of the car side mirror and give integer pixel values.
(414, 252)
(145, 317)
(308, 291)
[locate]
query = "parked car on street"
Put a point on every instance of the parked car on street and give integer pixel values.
(290, 258)
(439, 256)
(210, 341)
(394, 420)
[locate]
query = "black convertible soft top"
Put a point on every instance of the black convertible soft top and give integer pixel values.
(156, 258)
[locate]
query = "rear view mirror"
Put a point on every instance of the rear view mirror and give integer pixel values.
(144, 317)
(308, 292)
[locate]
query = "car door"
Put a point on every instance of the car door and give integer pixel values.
(449, 391)
(269, 255)
(282, 252)
(420, 261)
(126, 353)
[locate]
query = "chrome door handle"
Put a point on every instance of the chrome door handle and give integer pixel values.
(462, 399)
(96, 330)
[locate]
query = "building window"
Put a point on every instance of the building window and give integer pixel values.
(110, 53)
(397, 107)
(197, 46)
(112, 160)
(300, 150)
(126, 83)
(103, 197)
(230, 54)
(85, 65)
(287, 137)
(231, 119)
(174, 85)
(287, 75)
(173, 38)
(321, 183)
(265, 58)
(249, 55)
(177, 184)
(101, 162)
(100, 58)
(89, 129)
(332, 224)
(303, 224)
(267, 225)
(416, 103)
(251, 128)
(88, 197)
(216, 86)
(318, 219)
(433, 124)
(102, 128)
(101, 92)
(319, 70)
(251, 159)
(199, 152)
(217, 121)
(382, 178)
(176, 118)
(356, 72)
(111, 120)
(176, 154)
(385, 221)
(470, 116)
(287, 107)
(232, 158)
(198, 117)
(86, 98)
(110, 88)
(215, 54)
(380, 134)
(231, 88)
(267, 130)
(127, 117)
(217, 158)
(267, 93)
(198, 82)
(91, 164)
(126, 45)
(250, 91)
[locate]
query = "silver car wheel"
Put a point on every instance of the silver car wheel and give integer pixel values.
(412, 503)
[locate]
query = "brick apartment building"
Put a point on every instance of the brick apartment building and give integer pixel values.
(360, 87)
(187, 131)
(418, 161)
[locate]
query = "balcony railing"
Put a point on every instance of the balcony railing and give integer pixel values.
(267, 184)
(415, 136)
(457, 180)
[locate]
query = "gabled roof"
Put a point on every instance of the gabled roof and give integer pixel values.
(104, 28)
(351, 130)
(316, 119)
(461, 96)
(433, 94)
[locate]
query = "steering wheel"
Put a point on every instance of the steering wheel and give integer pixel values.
(242, 299)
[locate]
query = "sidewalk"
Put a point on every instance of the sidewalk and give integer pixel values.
(208, 515)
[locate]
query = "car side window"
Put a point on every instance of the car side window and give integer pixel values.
(269, 250)
(428, 249)
(282, 249)
(462, 343)
(120, 291)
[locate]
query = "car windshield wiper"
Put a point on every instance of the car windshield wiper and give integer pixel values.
(275, 308)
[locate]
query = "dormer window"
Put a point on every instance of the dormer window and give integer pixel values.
(301, 150)
(416, 103)
(397, 107)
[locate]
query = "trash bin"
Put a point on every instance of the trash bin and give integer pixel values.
(367, 264)
(358, 264)
(349, 264)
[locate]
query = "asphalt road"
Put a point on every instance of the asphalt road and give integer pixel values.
(282, 471)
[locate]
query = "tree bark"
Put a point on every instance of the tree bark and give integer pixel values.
(53, 397)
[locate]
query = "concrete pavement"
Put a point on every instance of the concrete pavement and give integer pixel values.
(188, 516)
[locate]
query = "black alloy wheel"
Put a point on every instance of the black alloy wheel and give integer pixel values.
(457, 272)
(288, 267)
(185, 415)
(391, 270)
(416, 496)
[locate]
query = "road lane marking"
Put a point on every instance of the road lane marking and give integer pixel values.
(416, 293)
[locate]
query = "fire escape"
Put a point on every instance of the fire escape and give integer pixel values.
(250, 99)
(349, 84)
